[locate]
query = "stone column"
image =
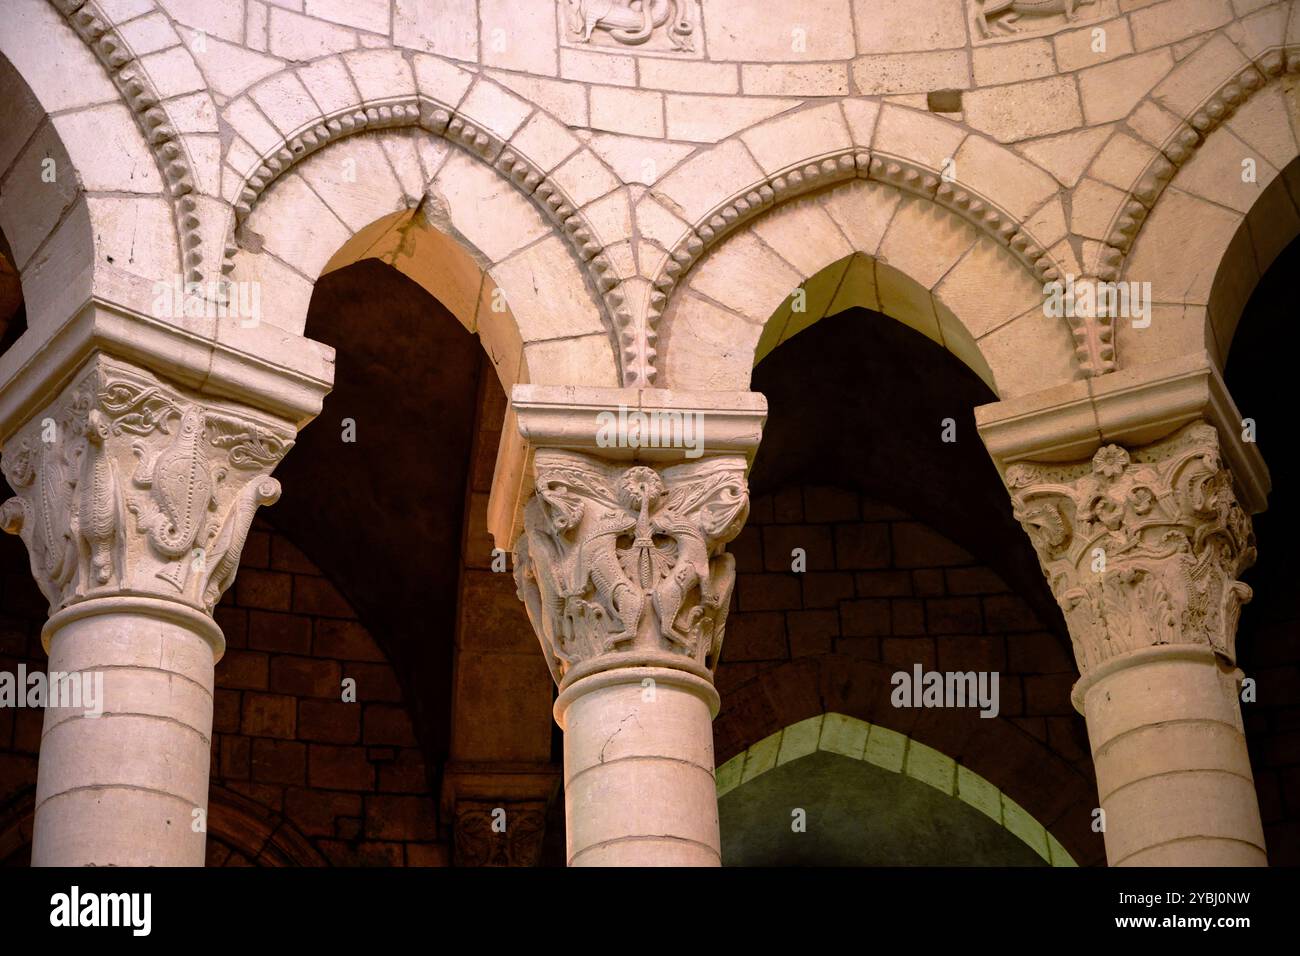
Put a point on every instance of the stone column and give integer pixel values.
(134, 499)
(623, 568)
(1142, 547)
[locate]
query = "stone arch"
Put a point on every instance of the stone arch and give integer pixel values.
(1014, 761)
(77, 234)
(450, 194)
(176, 118)
(894, 753)
(260, 835)
(1164, 200)
(869, 244)
(890, 186)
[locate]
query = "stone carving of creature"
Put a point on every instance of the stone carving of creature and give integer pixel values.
(1004, 13)
(98, 516)
(182, 482)
(631, 21)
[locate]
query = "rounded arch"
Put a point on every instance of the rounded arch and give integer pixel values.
(515, 240)
(956, 231)
(896, 755)
(1010, 758)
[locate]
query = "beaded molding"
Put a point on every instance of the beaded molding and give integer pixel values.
(146, 106)
(841, 166)
(1180, 146)
(442, 120)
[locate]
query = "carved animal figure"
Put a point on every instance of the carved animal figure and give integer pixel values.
(230, 541)
(182, 484)
(98, 516)
(690, 570)
(1004, 13)
(629, 21)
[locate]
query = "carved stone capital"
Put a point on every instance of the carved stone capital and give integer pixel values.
(501, 833)
(1141, 547)
(127, 485)
(623, 563)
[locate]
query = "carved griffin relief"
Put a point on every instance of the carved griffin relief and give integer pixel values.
(1140, 549)
(617, 558)
(119, 443)
(632, 22)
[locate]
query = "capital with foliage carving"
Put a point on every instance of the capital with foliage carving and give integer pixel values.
(1141, 547)
(127, 485)
(624, 562)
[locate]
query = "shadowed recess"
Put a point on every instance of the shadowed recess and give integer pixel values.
(382, 516)
(859, 400)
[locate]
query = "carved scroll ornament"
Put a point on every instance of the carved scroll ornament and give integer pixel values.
(125, 485)
(1140, 548)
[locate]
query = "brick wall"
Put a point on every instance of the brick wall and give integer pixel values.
(298, 776)
(349, 776)
(881, 593)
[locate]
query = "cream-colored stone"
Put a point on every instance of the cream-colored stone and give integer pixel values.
(863, 211)
(1012, 62)
(285, 102)
(634, 112)
(798, 136)
(707, 119)
(804, 235)
(638, 160)
(1180, 246)
(295, 37)
(450, 29)
(1173, 20)
(605, 68)
(545, 292)
(1066, 156)
(909, 72)
(811, 30)
(1024, 110)
(746, 276)
(1001, 175)
(1112, 90)
(1085, 47)
(924, 240)
(918, 25)
(795, 79)
(686, 76)
(369, 15)
(706, 179)
(1121, 161)
(519, 37)
(495, 109)
(917, 136)
(1218, 172)
(1092, 207)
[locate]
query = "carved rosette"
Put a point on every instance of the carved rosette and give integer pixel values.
(1140, 548)
(619, 559)
(125, 485)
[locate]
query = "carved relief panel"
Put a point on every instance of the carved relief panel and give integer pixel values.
(632, 26)
(993, 20)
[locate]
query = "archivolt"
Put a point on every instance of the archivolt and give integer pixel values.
(437, 117)
(1178, 148)
(141, 95)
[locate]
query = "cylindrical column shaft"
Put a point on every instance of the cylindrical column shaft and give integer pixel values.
(638, 769)
(1173, 771)
(121, 788)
